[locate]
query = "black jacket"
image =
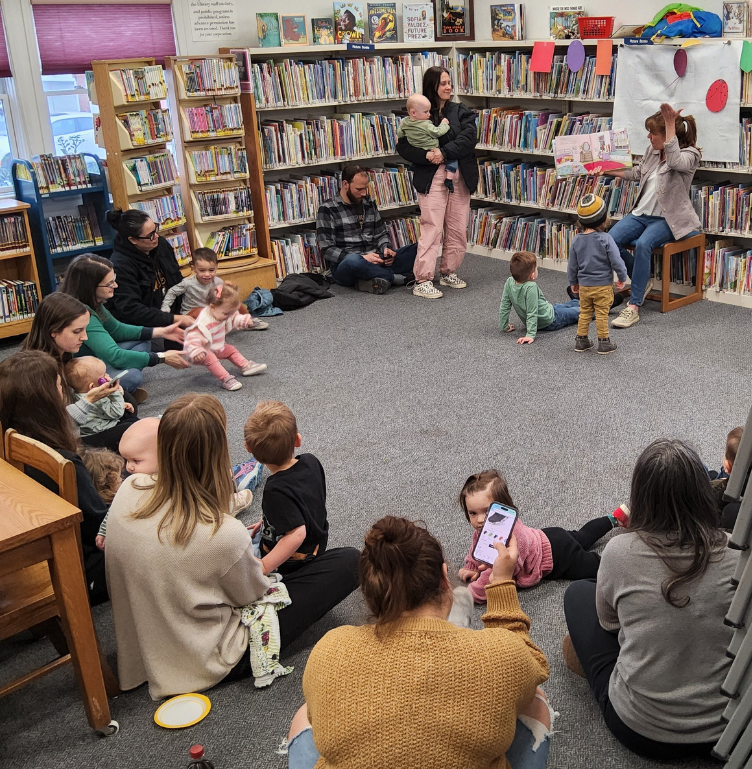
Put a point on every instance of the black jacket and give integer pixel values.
(143, 279)
(458, 143)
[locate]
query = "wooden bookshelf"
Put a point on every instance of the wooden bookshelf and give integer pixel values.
(115, 102)
(17, 263)
(252, 267)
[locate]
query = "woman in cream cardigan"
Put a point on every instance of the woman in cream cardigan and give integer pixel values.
(663, 211)
(420, 678)
(180, 568)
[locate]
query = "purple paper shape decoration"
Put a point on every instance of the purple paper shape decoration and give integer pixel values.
(717, 96)
(575, 56)
(680, 62)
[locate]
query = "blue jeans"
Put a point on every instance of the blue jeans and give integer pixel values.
(133, 379)
(647, 233)
(354, 267)
(302, 753)
(566, 314)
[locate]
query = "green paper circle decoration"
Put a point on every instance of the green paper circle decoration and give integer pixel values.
(746, 60)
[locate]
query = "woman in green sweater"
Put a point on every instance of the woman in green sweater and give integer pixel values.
(91, 280)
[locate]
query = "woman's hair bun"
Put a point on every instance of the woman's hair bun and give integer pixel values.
(114, 216)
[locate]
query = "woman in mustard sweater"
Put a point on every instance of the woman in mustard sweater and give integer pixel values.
(418, 674)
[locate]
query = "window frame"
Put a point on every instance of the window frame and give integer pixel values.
(7, 104)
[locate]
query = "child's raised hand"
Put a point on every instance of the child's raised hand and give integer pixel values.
(506, 560)
(509, 328)
(525, 340)
(620, 284)
(199, 357)
(468, 575)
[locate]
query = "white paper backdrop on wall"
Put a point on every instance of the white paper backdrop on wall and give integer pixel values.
(645, 79)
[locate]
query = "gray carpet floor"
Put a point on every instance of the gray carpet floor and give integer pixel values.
(401, 399)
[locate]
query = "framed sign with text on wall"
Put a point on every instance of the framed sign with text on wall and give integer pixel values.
(455, 19)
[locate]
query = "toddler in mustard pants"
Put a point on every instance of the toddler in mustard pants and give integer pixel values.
(593, 259)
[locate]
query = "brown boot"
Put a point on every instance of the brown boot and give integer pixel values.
(570, 657)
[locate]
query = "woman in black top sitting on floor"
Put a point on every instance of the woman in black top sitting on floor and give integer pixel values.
(146, 269)
(32, 403)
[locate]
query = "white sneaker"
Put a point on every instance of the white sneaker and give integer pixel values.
(254, 368)
(241, 501)
(627, 317)
(648, 287)
(452, 281)
(427, 290)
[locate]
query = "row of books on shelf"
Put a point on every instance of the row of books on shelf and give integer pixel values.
(166, 211)
(403, 230)
(143, 83)
(181, 246)
(727, 266)
(13, 234)
(238, 240)
(724, 207)
(147, 126)
(65, 233)
(324, 139)
(234, 201)
(537, 184)
(18, 300)
(534, 130)
(294, 200)
(55, 173)
(214, 120)
(287, 82)
(153, 170)
(210, 77)
(497, 73)
(212, 164)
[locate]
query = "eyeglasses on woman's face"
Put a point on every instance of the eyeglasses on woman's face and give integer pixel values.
(153, 235)
(110, 283)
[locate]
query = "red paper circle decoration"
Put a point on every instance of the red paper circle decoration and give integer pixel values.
(717, 96)
(680, 62)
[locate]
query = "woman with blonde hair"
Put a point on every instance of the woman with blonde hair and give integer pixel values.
(180, 568)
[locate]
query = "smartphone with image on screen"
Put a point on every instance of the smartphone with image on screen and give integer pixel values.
(497, 527)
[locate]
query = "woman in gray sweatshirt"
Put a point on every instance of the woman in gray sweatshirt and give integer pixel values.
(649, 636)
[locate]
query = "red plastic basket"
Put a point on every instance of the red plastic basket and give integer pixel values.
(595, 26)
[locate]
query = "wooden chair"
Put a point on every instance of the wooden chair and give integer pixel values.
(679, 247)
(27, 598)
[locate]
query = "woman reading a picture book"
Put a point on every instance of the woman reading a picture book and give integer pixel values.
(443, 214)
(663, 211)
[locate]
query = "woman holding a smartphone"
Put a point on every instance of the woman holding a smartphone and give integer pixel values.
(411, 664)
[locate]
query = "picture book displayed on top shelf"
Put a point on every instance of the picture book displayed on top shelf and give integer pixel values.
(455, 19)
(418, 22)
(562, 21)
(294, 30)
(322, 31)
(382, 22)
(267, 26)
(507, 22)
(349, 23)
(735, 19)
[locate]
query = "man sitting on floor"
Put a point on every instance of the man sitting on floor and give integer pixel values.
(353, 239)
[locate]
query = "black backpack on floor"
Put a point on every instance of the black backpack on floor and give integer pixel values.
(300, 290)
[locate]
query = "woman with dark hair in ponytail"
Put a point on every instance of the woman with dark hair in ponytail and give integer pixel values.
(399, 689)
(663, 211)
(649, 636)
(146, 269)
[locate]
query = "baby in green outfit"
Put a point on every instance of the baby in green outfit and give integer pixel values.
(419, 130)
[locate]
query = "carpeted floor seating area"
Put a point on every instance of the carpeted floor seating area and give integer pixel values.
(401, 399)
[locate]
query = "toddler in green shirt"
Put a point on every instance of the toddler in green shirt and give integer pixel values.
(523, 293)
(419, 130)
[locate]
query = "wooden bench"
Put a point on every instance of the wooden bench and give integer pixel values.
(679, 247)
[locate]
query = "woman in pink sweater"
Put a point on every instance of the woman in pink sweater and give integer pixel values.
(205, 339)
(550, 553)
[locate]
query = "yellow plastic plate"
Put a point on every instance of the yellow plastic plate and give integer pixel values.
(183, 710)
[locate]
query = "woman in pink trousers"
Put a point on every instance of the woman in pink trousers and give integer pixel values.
(444, 211)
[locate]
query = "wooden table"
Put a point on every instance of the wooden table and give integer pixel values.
(35, 526)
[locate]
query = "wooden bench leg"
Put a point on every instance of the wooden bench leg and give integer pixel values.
(696, 242)
(70, 590)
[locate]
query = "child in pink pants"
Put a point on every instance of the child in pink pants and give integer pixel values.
(205, 339)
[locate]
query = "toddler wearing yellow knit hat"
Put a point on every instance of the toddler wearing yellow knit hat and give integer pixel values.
(593, 259)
